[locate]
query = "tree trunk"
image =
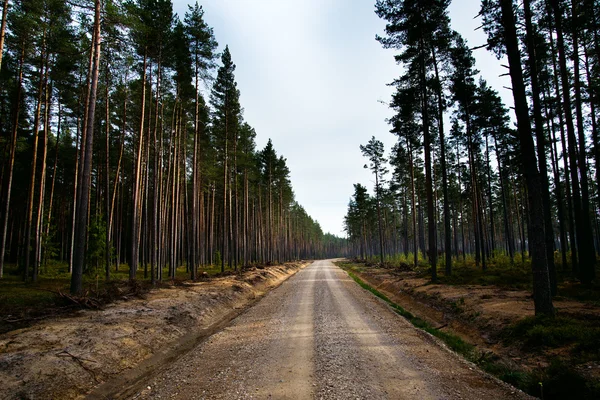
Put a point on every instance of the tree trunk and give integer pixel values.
(42, 187)
(135, 240)
(32, 180)
(541, 281)
(3, 32)
(447, 228)
(587, 253)
(11, 160)
(431, 223)
(82, 209)
(570, 211)
(541, 145)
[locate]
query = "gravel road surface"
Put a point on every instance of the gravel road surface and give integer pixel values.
(321, 336)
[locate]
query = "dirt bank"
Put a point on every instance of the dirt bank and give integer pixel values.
(67, 357)
(482, 315)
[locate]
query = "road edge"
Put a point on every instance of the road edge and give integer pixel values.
(449, 342)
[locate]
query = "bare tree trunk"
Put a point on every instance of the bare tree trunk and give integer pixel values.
(107, 180)
(507, 228)
(541, 281)
(3, 32)
(431, 223)
(413, 203)
(572, 141)
(82, 209)
(561, 124)
(13, 148)
(42, 187)
(224, 247)
(54, 168)
(135, 242)
(541, 146)
(118, 171)
(447, 228)
(32, 180)
(587, 253)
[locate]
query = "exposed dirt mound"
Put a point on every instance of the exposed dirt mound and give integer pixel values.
(66, 357)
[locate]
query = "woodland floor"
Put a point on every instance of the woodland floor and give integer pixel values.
(62, 352)
(498, 325)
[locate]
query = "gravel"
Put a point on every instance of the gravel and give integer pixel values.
(320, 336)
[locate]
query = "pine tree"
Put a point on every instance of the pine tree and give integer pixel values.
(374, 151)
(225, 125)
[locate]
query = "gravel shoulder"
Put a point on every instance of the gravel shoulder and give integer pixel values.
(319, 335)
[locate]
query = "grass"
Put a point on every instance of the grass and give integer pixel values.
(558, 381)
(548, 333)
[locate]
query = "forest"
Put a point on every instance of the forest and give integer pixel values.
(470, 180)
(125, 153)
(150, 248)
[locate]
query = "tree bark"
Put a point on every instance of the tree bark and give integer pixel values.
(11, 161)
(3, 31)
(541, 145)
(135, 240)
(82, 209)
(541, 281)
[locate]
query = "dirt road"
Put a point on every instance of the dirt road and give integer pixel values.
(320, 335)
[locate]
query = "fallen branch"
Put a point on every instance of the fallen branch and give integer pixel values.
(79, 360)
(83, 301)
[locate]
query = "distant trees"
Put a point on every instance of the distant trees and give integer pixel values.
(496, 188)
(374, 152)
(110, 153)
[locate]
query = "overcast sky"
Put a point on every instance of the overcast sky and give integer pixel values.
(312, 78)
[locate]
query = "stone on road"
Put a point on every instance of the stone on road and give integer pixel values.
(321, 336)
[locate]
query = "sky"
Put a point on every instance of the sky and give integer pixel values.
(313, 78)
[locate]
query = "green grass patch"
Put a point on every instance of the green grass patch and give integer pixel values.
(500, 272)
(545, 332)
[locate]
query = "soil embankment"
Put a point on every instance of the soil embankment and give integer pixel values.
(67, 357)
(495, 321)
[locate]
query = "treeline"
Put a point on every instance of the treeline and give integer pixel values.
(120, 145)
(480, 186)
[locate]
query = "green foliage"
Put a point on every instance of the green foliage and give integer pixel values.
(561, 381)
(547, 332)
(218, 258)
(97, 246)
(500, 272)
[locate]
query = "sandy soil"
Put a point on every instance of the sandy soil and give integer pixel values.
(319, 335)
(65, 358)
